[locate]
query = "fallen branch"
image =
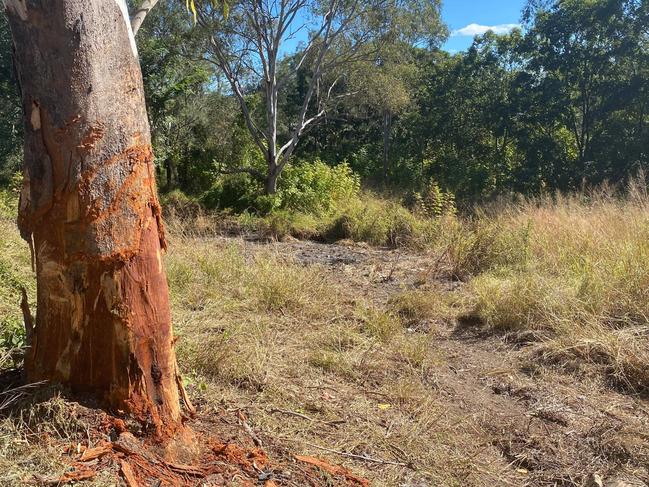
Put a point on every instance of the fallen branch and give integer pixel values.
(308, 418)
(361, 457)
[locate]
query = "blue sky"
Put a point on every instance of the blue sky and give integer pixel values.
(467, 17)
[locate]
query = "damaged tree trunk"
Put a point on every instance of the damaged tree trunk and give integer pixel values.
(90, 212)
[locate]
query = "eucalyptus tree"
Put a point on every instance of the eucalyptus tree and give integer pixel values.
(249, 44)
(89, 211)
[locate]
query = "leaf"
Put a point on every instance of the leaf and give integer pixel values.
(383, 407)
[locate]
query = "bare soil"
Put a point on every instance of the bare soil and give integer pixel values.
(532, 424)
(493, 413)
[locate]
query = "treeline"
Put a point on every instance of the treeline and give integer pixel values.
(561, 103)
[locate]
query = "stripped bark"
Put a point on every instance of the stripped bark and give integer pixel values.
(90, 212)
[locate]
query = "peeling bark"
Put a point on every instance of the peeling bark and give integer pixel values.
(89, 209)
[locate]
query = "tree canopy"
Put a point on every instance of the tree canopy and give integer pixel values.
(250, 87)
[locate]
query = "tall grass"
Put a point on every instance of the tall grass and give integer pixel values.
(581, 276)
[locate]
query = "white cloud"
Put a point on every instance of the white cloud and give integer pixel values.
(477, 29)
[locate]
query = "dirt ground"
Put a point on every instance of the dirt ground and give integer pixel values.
(472, 408)
(529, 424)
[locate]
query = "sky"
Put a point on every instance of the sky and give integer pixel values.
(466, 18)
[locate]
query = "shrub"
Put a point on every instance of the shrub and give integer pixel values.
(433, 202)
(178, 204)
(309, 188)
(238, 192)
(380, 222)
(316, 187)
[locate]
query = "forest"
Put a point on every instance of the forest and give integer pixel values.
(560, 105)
(304, 243)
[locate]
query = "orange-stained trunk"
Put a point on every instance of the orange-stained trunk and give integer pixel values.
(90, 212)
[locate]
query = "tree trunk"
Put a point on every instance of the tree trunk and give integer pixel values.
(271, 181)
(90, 212)
(172, 174)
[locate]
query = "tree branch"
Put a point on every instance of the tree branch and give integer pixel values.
(140, 14)
(242, 170)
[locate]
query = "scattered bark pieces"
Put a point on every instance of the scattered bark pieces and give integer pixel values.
(90, 454)
(335, 470)
(128, 474)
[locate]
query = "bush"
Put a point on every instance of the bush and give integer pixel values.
(380, 222)
(178, 204)
(308, 188)
(316, 187)
(238, 192)
(433, 202)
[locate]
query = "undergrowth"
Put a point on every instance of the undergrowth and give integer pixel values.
(261, 330)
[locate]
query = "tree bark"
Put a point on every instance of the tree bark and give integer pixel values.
(90, 212)
(271, 181)
(141, 13)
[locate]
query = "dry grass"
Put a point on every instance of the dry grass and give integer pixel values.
(585, 280)
(316, 362)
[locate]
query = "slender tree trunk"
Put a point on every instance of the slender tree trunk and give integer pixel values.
(90, 212)
(140, 14)
(172, 174)
(271, 180)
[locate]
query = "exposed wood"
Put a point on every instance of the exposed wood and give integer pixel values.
(333, 470)
(89, 205)
(128, 474)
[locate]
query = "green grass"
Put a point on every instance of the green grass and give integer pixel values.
(15, 274)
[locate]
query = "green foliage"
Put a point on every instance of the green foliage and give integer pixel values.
(12, 334)
(433, 202)
(15, 275)
(237, 192)
(10, 109)
(316, 187)
(307, 188)
(178, 204)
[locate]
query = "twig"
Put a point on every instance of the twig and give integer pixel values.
(360, 457)
(304, 416)
(292, 413)
(376, 393)
(10, 396)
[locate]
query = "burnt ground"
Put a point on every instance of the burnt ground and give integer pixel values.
(542, 425)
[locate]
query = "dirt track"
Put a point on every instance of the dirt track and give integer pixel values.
(539, 425)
